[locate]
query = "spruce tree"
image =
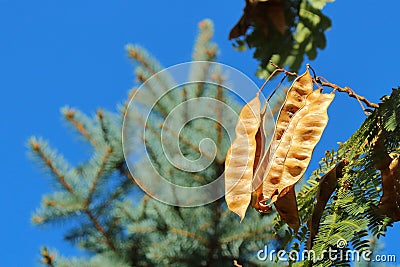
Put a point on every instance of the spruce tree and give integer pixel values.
(113, 220)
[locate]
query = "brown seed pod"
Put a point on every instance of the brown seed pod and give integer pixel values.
(294, 101)
(240, 158)
(389, 203)
(293, 153)
(287, 207)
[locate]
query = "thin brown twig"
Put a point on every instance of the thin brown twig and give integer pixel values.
(283, 70)
(347, 90)
(324, 82)
(277, 70)
(312, 70)
(277, 87)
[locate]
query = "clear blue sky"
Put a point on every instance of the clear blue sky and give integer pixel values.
(58, 52)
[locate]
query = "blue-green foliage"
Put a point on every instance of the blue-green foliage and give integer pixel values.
(114, 221)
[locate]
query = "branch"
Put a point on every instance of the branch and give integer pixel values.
(36, 147)
(190, 234)
(137, 55)
(47, 258)
(97, 177)
(277, 70)
(100, 228)
(49, 163)
(347, 90)
(219, 79)
(80, 127)
(318, 80)
(100, 115)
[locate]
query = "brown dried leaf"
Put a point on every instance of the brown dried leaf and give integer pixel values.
(327, 186)
(293, 153)
(276, 14)
(240, 158)
(266, 14)
(390, 201)
(287, 208)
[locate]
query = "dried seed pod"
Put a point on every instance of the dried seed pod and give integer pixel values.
(240, 158)
(294, 101)
(389, 203)
(287, 207)
(293, 153)
(327, 186)
(256, 195)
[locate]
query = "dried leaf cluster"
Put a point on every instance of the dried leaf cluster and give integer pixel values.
(262, 175)
(284, 31)
(389, 167)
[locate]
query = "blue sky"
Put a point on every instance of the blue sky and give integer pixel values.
(59, 52)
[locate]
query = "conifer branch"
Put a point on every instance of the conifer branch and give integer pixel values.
(204, 50)
(143, 201)
(98, 175)
(189, 234)
(159, 107)
(128, 215)
(244, 235)
(144, 229)
(70, 117)
(100, 228)
(199, 178)
(49, 163)
(177, 135)
(136, 55)
(100, 115)
(125, 105)
(129, 175)
(188, 143)
(52, 203)
(117, 193)
(204, 226)
(214, 239)
(47, 258)
(219, 79)
(202, 77)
